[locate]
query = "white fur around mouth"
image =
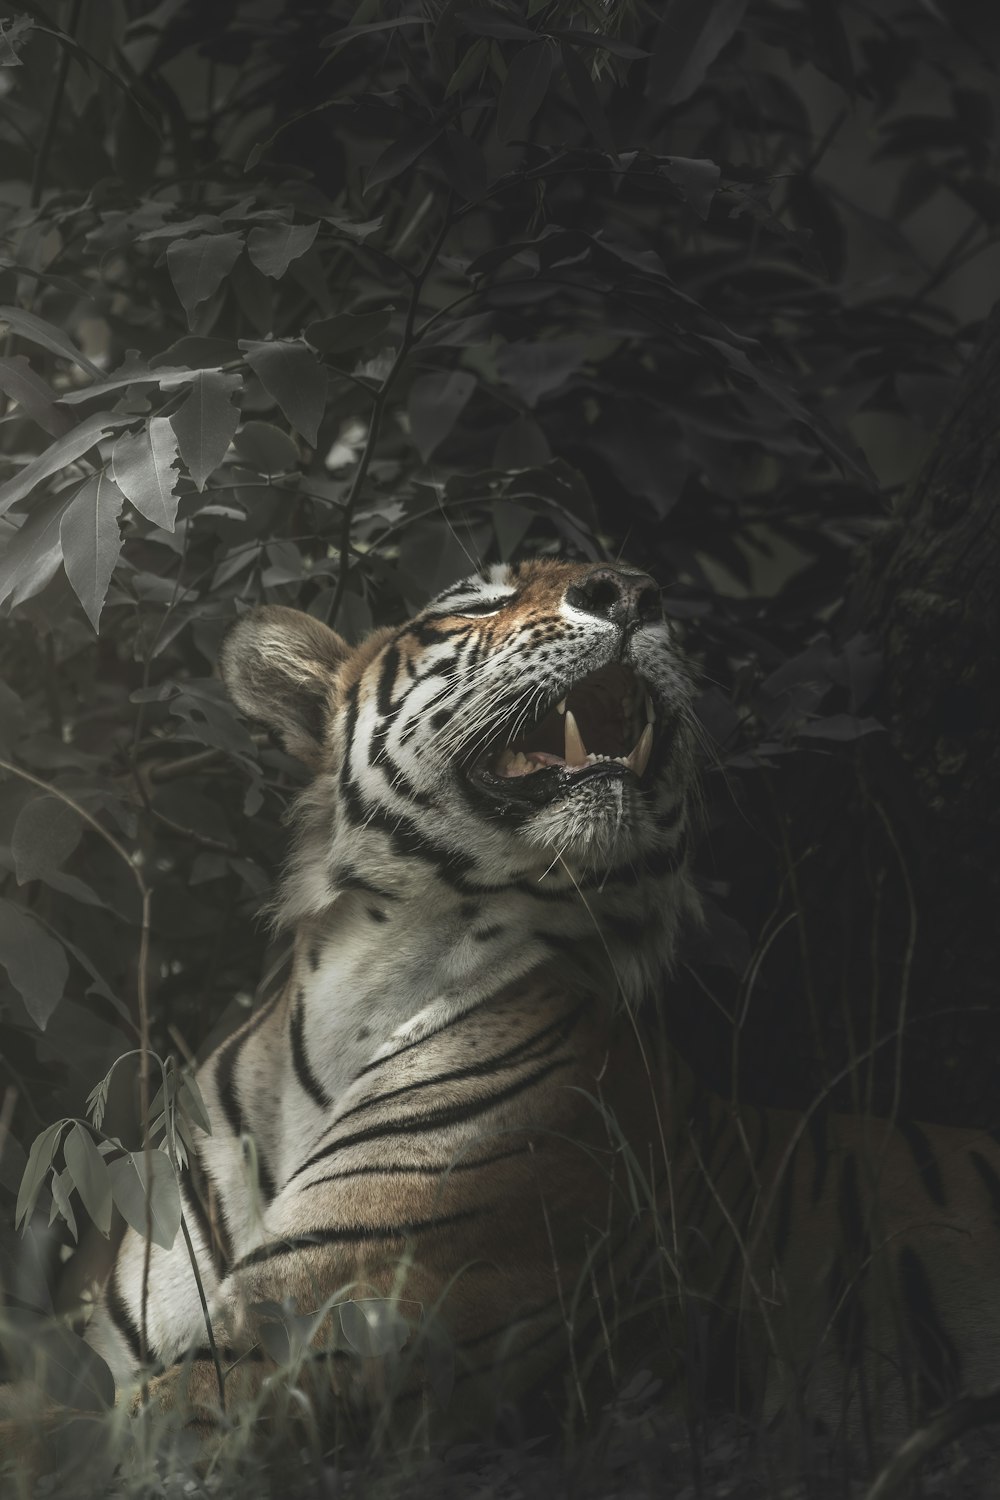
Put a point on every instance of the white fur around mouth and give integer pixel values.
(613, 704)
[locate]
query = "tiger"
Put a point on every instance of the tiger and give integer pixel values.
(465, 1105)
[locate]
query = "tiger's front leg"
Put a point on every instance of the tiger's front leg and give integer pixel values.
(282, 1372)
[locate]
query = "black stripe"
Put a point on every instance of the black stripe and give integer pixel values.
(344, 878)
(554, 1035)
(925, 1161)
(352, 1234)
(432, 1119)
(349, 795)
(386, 677)
(819, 1136)
(308, 1081)
(626, 929)
(849, 1211)
(849, 1316)
(523, 888)
(199, 1195)
(265, 1177)
(224, 1068)
(382, 1062)
(429, 633)
(939, 1364)
(398, 781)
(521, 1318)
(671, 817)
(483, 607)
(431, 1169)
(786, 1200)
(990, 1180)
(351, 799)
(121, 1317)
(486, 934)
(228, 1357)
(226, 1084)
(407, 839)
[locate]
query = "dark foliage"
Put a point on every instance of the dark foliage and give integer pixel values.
(322, 304)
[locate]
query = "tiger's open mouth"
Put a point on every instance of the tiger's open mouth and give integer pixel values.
(603, 726)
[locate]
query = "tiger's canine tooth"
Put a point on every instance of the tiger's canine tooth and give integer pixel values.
(561, 706)
(639, 759)
(576, 750)
(650, 711)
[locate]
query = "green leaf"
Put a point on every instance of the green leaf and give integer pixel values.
(272, 247)
(91, 542)
(206, 423)
(692, 34)
(45, 835)
(470, 67)
(165, 377)
(348, 33)
(89, 1172)
(434, 405)
(602, 43)
(524, 89)
(62, 1187)
(696, 179)
(198, 266)
(191, 1103)
(402, 153)
(143, 464)
(43, 1149)
(128, 1187)
(289, 372)
(266, 448)
(348, 331)
(34, 396)
(587, 99)
(34, 552)
(493, 23)
(374, 1326)
(65, 450)
(536, 367)
(36, 964)
(37, 331)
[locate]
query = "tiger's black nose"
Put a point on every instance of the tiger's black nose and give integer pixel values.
(615, 594)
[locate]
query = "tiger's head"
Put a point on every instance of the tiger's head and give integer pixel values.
(535, 717)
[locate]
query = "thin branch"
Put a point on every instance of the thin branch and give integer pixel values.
(55, 106)
(378, 411)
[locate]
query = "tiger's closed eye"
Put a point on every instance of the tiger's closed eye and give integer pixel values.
(484, 606)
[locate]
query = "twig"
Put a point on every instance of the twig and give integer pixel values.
(378, 411)
(55, 105)
(185, 765)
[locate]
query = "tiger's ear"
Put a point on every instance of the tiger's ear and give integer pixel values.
(279, 667)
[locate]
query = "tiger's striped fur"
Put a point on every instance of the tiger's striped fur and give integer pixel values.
(463, 1096)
